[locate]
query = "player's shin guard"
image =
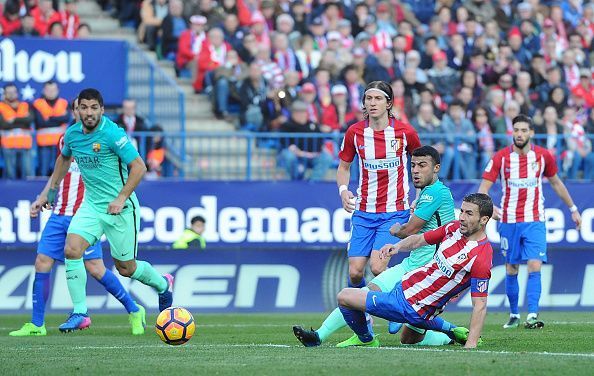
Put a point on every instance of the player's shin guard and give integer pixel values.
(41, 287)
(76, 279)
(146, 274)
(357, 322)
(533, 291)
(113, 285)
(512, 290)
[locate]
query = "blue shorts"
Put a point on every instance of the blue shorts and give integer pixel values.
(371, 231)
(392, 306)
(53, 239)
(523, 241)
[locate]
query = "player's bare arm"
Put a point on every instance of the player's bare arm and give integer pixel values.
(485, 187)
(136, 170)
(561, 191)
(477, 320)
(41, 200)
(414, 225)
(408, 244)
(60, 170)
(343, 174)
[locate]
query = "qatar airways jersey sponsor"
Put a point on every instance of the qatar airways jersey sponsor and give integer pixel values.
(521, 182)
(72, 190)
(456, 264)
(383, 159)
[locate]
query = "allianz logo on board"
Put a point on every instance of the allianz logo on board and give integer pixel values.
(41, 66)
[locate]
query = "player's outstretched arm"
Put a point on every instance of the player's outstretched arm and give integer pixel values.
(561, 191)
(136, 170)
(414, 225)
(477, 320)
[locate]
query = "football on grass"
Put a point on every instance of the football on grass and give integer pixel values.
(175, 326)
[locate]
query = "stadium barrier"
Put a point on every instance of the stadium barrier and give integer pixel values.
(276, 280)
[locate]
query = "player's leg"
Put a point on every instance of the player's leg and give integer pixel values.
(411, 335)
(352, 303)
(534, 250)
(122, 233)
(510, 248)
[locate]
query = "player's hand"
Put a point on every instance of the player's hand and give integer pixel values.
(50, 199)
(116, 206)
(496, 213)
(577, 219)
(395, 228)
(388, 251)
(37, 206)
(348, 201)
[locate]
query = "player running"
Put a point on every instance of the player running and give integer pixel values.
(382, 144)
(521, 168)
(111, 169)
(434, 208)
(51, 249)
(462, 260)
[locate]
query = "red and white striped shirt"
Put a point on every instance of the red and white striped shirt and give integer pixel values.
(457, 264)
(521, 182)
(383, 160)
(72, 189)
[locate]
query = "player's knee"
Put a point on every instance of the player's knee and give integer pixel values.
(342, 297)
(43, 264)
(356, 276)
(125, 269)
(512, 269)
(72, 251)
(534, 266)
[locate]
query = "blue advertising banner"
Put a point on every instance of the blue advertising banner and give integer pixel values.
(279, 280)
(73, 64)
(267, 214)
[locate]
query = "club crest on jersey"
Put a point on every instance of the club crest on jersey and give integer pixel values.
(535, 166)
(482, 286)
(96, 147)
(395, 144)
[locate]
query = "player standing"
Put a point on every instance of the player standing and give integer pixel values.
(462, 260)
(435, 207)
(521, 168)
(382, 144)
(111, 169)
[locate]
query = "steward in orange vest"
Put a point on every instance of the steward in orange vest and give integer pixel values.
(15, 120)
(51, 115)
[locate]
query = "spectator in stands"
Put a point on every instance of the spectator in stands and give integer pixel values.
(44, 15)
(524, 95)
(270, 70)
(553, 130)
(401, 104)
(70, 19)
(553, 79)
(298, 154)
(486, 143)
(10, 22)
(443, 78)
(308, 95)
(353, 81)
(52, 115)
(338, 115)
(249, 48)
(83, 31)
(505, 14)
(189, 45)
(156, 154)
(503, 127)
(482, 10)
(56, 30)
(308, 57)
(226, 88)
(152, 13)
(259, 29)
(252, 94)
(558, 99)
(213, 54)
(284, 56)
(132, 122)
(285, 24)
(233, 33)
(460, 138)
(15, 134)
(584, 88)
(192, 237)
(27, 28)
(171, 28)
(237, 8)
(382, 69)
(428, 126)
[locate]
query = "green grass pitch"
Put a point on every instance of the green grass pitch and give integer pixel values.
(259, 344)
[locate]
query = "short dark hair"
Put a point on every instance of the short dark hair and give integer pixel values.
(427, 151)
(197, 218)
(483, 201)
(522, 118)
(9, 84)
(72, 106)
(91, 94)
(50, 82)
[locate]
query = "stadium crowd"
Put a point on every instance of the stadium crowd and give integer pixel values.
(460, 70)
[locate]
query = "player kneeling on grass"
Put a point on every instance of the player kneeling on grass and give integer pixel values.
(462, 260)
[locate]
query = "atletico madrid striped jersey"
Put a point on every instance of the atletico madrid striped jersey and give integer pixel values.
(72, 190)
(457, 265)
(383, 160)
(521, 182)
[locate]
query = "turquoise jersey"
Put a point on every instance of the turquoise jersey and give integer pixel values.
(102, 157)
(435, 206)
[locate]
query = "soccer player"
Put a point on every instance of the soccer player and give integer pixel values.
(383, 144)
(435, 207)
(111, 169)
(462, 260)
(51, 248)
(521, 168)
